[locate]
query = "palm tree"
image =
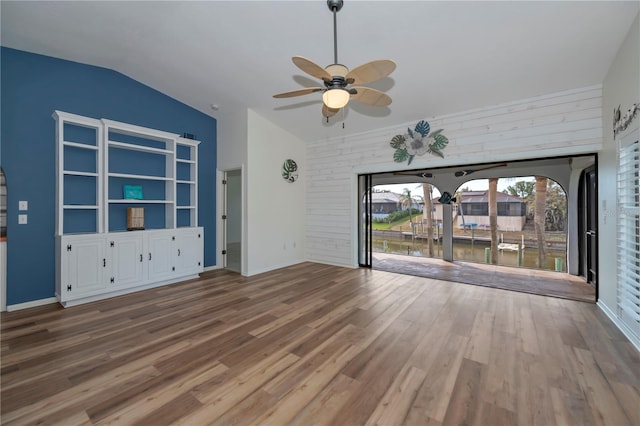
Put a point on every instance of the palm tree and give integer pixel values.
(539, 217)
(493, 218)
(428, 215)
(407, 201)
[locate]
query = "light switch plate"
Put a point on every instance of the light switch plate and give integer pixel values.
(22, 219)
(23, 205)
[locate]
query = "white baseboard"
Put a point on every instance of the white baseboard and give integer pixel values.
(273, 268)
(635, 341)
(211, 268)
(31, 304)
(342, 265)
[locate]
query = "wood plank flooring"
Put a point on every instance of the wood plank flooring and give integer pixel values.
(316, 344)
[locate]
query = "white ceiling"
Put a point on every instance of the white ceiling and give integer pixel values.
(451, 56)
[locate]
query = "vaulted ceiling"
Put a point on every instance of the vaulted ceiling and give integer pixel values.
(451, 56)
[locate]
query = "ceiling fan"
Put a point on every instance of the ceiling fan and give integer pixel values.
(340, 83)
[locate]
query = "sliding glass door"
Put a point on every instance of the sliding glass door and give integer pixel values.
(365, 225)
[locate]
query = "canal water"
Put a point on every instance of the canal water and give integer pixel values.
(468, 252)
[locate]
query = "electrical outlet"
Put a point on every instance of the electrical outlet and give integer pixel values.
(23, 205)
(22, 219)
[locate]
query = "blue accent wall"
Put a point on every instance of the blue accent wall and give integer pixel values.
(32, 87)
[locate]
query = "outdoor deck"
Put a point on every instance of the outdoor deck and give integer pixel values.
(546, 283)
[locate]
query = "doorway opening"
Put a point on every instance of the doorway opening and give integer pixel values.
(232, 215)
(497, 231)
(588, 226)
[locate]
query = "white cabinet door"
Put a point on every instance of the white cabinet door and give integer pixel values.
(160, 255)
(127, 258)
(84, 266)
(189, 250)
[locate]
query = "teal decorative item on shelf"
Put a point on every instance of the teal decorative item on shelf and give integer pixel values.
(132, 192)
(418, 142)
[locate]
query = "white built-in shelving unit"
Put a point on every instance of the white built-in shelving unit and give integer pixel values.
(96, 257)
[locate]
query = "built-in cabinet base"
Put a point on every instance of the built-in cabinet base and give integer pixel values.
(96, 266)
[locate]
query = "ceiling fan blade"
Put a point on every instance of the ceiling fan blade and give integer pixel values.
(371, 71)
(461, 173)
(370, 96)
(328, 112)
(298, 92)
(311, 68)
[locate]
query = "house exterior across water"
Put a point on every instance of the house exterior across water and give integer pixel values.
(472, 211)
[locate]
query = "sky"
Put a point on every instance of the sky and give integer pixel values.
(474, 185)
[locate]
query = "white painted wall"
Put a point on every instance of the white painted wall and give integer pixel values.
(232, 137)
(231, 155)
(621, 87)
(558, 124)
(276, 216)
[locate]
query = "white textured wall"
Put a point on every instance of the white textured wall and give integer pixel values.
(621, 87)
(552, 125)
(232, 137)
(276, 209)
(232, 155)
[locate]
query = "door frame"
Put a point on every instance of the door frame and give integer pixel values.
(588, 204)
(365, 218)
(221, 210)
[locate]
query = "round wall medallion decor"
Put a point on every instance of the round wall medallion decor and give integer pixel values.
(289, 170)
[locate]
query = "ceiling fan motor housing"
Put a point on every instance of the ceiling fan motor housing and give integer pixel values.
(335, 5)
(336, 82)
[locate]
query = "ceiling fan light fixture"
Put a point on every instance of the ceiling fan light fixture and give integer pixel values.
(336, 98)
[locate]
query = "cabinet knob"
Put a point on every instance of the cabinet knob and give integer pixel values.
(178, 252)
(149, 255)
(140, 257)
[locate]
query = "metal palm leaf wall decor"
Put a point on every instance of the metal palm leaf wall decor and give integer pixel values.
(418, 142)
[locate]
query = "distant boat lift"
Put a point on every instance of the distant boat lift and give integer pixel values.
(511, 247)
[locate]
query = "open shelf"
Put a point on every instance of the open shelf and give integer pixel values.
(80, 145)
(75, 173)
(129, 201)
(146, 177)
(134, 147)
(79, 207)
(98, 159)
